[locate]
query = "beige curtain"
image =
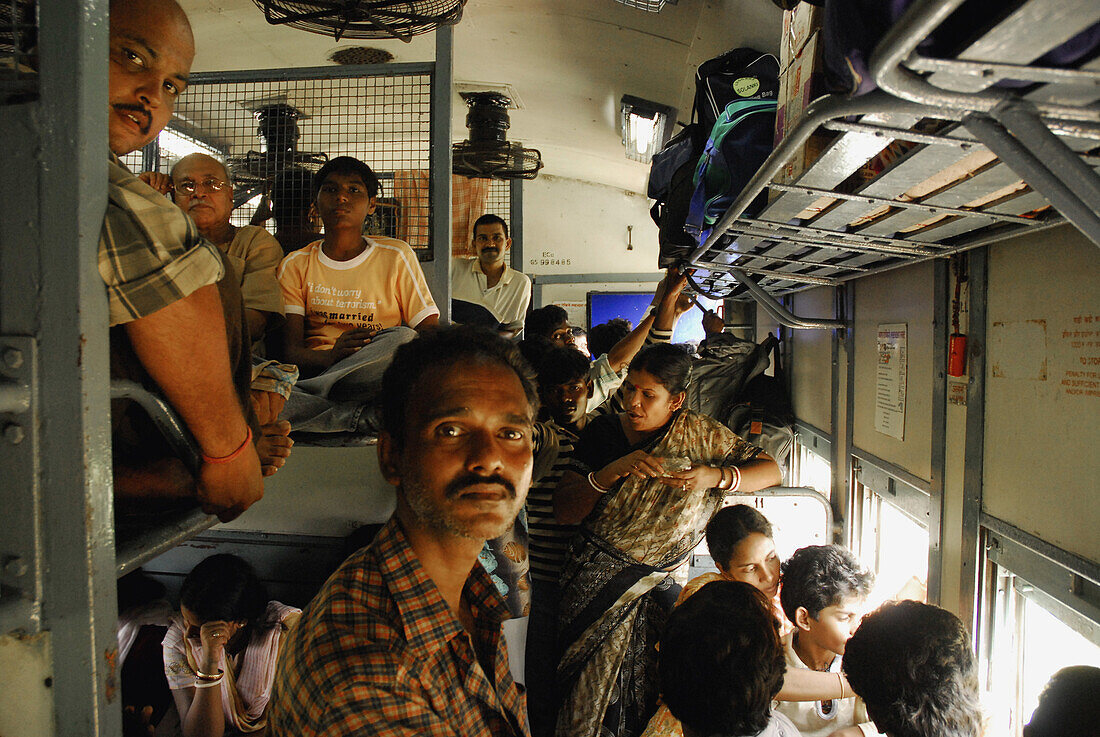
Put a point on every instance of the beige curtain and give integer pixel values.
(469, 196)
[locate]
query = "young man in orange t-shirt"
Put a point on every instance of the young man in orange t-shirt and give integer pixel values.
(350, 300)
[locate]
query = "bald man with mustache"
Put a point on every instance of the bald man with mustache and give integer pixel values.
(176, 325)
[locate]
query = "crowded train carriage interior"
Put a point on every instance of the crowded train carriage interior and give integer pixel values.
(869, 231)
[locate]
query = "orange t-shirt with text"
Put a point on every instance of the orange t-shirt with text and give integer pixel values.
(382, 287)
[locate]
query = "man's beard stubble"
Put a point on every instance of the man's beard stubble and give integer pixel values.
(442, 519)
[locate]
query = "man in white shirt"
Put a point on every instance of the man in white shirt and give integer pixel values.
(485, 290)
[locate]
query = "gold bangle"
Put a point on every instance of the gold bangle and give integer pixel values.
(207, 677)
(840, 682)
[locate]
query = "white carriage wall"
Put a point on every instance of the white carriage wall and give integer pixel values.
(321, 491)
(1043, 389)
(576, 227)
(900, 296)
(811, 365)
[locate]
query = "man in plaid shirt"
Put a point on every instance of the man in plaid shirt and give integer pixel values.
(168, 317)
(405, 638)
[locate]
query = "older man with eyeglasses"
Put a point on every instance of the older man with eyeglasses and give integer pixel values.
(201, 186)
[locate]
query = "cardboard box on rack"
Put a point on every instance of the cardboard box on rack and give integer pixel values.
(800, 83)
(804, 158)
(798, 26)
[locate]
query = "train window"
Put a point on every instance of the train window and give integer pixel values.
(810, 469)
(891, 523)
(797, 520)
(1028, 634)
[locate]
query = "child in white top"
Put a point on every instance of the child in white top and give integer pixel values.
(824, 592)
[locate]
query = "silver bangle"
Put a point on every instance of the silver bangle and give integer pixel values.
(596, 486)
(208, 684)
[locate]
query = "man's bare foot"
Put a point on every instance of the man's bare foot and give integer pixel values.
(273, 446)
(267, 406)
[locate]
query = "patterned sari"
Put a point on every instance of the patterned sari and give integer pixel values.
(617, 589)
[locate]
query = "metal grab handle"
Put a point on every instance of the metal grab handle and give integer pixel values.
(164, 417)
(780, 313)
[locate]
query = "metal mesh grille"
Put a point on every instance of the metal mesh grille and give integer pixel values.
(499, 201)
(275, 134)
(18, 59)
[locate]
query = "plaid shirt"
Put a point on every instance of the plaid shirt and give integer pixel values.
(378, 651)
(150, 252)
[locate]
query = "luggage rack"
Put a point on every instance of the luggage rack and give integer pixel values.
(1003, 159)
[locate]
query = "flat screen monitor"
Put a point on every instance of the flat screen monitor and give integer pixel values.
(603, 306)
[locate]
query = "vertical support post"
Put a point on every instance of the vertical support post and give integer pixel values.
(73, 561)
(438, 272)
(973, 476)
(840, 449)
(515, 218)
(150, 156)
(940, 298)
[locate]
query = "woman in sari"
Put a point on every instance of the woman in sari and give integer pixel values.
(645, 482)
(219, 655)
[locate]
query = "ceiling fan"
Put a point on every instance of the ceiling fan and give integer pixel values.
(488, 154)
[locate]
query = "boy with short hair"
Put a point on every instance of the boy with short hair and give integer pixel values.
(720, 664)
(351, 301)
(824, 592)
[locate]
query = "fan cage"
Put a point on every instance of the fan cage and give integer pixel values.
(496, 160)
(650, 6)
(18, 51)
(363, 18)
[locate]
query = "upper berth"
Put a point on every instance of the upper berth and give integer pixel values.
(964, 151)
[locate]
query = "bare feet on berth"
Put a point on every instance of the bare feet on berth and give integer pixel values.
(273, 446)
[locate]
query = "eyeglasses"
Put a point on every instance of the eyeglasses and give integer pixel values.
(189, 186)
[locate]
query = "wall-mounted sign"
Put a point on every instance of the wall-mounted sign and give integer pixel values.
(890, 380)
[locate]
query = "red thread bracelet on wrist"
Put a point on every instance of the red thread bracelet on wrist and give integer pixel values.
(232, 456)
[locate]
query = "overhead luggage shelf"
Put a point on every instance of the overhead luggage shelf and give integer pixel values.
(936, 161)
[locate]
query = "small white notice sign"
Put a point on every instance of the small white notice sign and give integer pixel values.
(890, 383)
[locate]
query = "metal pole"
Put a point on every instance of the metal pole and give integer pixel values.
(937, 487)
(438, 273)
(72, 488)
(1036, 173)
(1021, 120)
(781, 314)
(974, 473)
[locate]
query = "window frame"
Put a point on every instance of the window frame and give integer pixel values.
(809, 439)
(1016, 567)
(875, 482)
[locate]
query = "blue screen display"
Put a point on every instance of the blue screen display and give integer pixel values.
(603, 306)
